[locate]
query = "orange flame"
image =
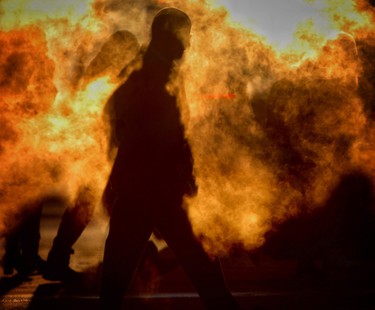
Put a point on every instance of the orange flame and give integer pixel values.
(299, 115)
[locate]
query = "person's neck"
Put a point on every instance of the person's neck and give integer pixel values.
(155, 58)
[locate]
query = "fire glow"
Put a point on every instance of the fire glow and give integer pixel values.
(299, 116)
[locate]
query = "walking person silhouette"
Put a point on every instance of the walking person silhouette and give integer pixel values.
(78, 215)
(152, 172)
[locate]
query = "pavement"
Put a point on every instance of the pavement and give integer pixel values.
(264, 283)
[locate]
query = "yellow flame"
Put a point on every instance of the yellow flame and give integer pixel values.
(285, 118)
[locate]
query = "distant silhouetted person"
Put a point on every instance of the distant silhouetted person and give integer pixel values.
(114, 55)
(153, 171)
(22, 243)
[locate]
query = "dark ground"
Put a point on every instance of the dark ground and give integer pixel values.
(262, 283)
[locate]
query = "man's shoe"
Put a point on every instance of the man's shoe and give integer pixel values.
(54, 272)
(24, 266)
(57, 267)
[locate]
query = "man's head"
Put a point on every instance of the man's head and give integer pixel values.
(170, 32)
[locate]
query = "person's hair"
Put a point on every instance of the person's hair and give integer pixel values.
(168, 21)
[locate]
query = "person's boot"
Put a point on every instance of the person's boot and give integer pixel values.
(25, 263)
(57, 266)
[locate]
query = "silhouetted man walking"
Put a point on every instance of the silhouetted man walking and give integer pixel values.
(152, 172)
(76, 217)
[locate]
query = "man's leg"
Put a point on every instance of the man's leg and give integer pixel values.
(22, 243)
(130, 228)
(206, 275)
(12, 253)
(29, 240)
(73, 222)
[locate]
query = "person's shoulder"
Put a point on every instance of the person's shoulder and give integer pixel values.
(131, 80)
(129, 88)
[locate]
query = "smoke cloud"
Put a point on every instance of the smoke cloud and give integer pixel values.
(271, 130)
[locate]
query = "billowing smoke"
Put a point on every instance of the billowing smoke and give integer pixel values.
(271, 130)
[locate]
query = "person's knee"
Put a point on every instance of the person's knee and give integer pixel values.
(84, 205)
